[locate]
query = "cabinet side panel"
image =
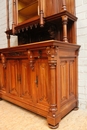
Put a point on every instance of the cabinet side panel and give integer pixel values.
(64, 82)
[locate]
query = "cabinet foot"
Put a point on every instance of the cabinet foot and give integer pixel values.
(76, 108)
(53, 127)
(0, 99)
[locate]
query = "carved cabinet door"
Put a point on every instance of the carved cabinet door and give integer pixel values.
(14, 79)
(35, 87)
(43, 88)
(28, 87)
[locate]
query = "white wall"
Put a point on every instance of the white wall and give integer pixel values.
(81, 13)
(3, 20)
(2, 24)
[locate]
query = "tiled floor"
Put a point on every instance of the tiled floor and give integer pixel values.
(13, 117)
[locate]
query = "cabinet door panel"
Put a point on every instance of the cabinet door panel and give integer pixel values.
(13, 77)
(43, 82)
(64, 81)
(28, 76)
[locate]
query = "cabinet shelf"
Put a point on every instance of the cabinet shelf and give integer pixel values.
(28, 11)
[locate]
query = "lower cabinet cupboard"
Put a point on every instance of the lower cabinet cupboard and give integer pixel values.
(41, 77)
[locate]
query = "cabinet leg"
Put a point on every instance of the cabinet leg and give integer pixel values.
(53, 127)
(76, 108)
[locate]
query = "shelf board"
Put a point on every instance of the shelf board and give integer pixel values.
(26, 23)
(31, 9)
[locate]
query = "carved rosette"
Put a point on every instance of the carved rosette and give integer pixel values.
(3, 59)
(31, 59)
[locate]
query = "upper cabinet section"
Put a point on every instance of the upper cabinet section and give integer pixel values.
(40, 20)
(27, 9)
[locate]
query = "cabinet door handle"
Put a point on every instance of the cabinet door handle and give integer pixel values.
(36, 81)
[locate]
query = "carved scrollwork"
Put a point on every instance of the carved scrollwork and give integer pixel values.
(52, 56)
(3, 59)
(16, 54)
(31, 59)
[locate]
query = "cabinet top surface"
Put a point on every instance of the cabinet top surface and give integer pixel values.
(42, 45)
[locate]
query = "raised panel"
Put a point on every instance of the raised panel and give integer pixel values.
(2, 78)
(72, 78)
(43, 82)
(13, 77)
(64, 81)
(28, 88)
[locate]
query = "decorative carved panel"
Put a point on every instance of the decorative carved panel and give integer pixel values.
(26, 87)
(64, 81)
(43, 82)
(14, 78)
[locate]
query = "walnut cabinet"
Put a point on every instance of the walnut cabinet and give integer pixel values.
(41, 73)
(41, 77)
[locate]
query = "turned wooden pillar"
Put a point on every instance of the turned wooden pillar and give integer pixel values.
(14, 16)
(7, 11)
(63, 5)
(8, 28)
(41, 14)
(52, 61)
(64, 22)
(8, 39)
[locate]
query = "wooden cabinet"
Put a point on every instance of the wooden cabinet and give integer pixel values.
(41, 77)
(40, 74)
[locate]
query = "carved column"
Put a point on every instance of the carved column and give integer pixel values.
(3, 59)
(65, 21)
(52, 61)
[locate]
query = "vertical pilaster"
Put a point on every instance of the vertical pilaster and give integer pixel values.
(53, 112)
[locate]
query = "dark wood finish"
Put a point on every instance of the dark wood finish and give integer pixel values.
(41, 77)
